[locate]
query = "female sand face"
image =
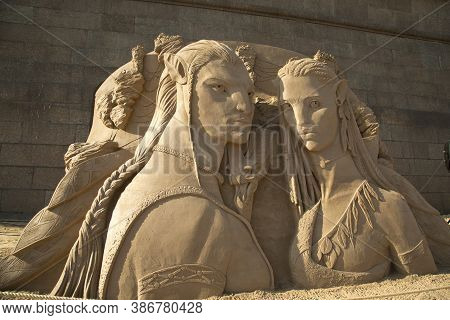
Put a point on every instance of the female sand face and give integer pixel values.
(312, 111)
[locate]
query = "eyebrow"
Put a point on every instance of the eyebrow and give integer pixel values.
(298, 99)
(227, 83)
(215, 79)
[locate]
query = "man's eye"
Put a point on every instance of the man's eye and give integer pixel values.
(218, 87)
(314, 104)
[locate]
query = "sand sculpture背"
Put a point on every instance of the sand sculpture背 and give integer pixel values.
(225, 167)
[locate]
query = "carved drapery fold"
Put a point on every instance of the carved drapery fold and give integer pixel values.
(411, 255)
(81, 151)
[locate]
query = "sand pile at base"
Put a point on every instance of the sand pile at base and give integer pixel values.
(435, 286)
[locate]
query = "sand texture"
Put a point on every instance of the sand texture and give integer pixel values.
(435, 286)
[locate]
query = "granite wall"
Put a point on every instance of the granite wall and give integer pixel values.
(55, 53)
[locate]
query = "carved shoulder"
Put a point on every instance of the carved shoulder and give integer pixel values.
(394, 211)
(409, 247)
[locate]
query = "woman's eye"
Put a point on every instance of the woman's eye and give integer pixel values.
(314, 104)
(287, 106)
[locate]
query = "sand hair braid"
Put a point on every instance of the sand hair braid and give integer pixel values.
(82, 269)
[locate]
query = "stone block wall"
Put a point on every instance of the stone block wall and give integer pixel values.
(54, 54)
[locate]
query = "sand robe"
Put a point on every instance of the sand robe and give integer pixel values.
(40, 253)
(175, 241)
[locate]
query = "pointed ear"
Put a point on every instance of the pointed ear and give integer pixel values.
(176, 67)
(341, 91)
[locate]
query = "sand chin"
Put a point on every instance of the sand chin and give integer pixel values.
(239, 137)
(313, 146)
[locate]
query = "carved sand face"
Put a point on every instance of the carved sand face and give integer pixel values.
(310, 110)
(222, 101)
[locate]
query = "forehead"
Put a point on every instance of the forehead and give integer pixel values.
(231, 73)
(293, 88)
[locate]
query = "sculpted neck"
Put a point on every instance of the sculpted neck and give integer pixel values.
(340, 171)
(208, 154)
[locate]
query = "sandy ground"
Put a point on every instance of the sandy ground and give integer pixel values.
(436, 286)
(429, 287)
(9, 233)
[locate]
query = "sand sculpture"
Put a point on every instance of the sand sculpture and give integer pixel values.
(189, 187)
(355, 220)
